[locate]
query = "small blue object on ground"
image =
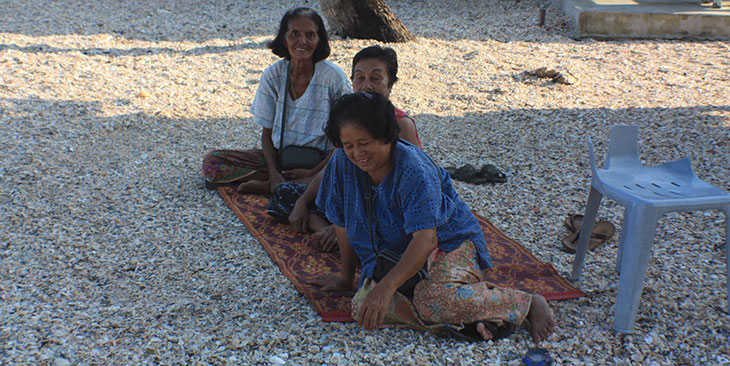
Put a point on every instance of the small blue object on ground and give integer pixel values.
(537, 357)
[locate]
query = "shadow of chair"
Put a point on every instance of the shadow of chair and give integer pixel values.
(646, 193)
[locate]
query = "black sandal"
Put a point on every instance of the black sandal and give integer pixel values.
(467, 173)
(493, 174)
(469, 332)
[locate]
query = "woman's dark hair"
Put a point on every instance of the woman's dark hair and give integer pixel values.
(278, 45)
(387, 55)
(369, 110)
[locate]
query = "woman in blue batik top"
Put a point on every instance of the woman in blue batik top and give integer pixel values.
(417, 214)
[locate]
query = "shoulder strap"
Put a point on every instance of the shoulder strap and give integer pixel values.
(283, 112)
(368, 198)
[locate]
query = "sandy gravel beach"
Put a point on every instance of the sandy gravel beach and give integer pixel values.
(112, 252)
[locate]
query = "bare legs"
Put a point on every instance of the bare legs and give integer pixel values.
(254, 186)
(542, 322)
(484, 332)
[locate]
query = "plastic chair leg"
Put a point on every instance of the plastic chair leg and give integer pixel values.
(636, 251)
(589, 218)
(727, 253)
(622, 239)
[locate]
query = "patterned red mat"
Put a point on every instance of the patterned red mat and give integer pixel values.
(514, 266)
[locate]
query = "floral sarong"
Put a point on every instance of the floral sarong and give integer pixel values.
(453, 296)
(225, 166)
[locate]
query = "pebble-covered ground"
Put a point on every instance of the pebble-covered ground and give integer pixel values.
(112, 252)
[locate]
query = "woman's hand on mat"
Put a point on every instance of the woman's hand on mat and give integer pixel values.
(299, 217)
(326, 239)
(373, 309)
(330, 282)
(294, 174)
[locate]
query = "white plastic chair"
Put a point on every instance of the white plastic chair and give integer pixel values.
(647, 193)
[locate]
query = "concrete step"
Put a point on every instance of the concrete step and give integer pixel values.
(670, 19)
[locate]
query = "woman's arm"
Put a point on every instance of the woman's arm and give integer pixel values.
(347, 256)
(375, 306)
(407, 130)
(348, 260)
(267, 145)
(298, 218)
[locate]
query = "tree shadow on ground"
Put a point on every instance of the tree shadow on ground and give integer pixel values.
(700, 133)
(556, 136)
(64, 158)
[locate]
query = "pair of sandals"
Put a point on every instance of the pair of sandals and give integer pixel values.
(602, 231)
(468, 173)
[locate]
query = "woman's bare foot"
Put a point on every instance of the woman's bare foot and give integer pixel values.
(254, 186)
(484, 332)
(541, 319)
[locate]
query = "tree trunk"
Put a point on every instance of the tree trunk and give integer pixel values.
(364, 19)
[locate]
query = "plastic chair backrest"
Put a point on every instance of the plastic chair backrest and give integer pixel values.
(623, 148)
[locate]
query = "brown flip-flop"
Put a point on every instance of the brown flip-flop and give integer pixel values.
(573, 222)
(602, 231)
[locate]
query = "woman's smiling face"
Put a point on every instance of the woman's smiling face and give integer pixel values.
(367, 153)
(301, 38)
